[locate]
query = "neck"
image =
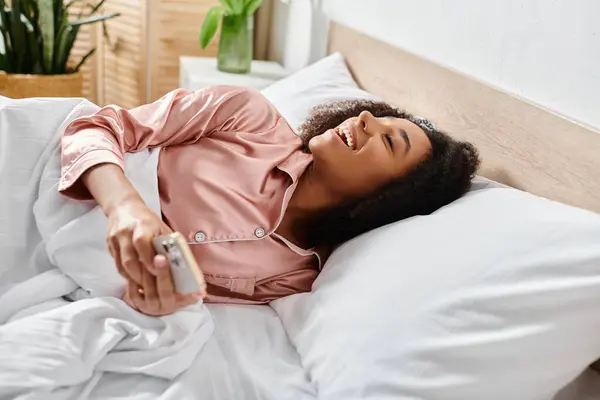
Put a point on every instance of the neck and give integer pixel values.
(310, 196)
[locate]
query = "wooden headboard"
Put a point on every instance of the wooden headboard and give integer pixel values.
(521, 144)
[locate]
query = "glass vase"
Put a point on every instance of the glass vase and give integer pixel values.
(235, 44)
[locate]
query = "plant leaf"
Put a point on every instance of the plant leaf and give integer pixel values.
(227, 6)
(72, 37)
(3, 63)
(33, 55)
(93, 8)
(210, 25)
(91, 20)
(5, 40)
(27, 11)
(237, 6)
(60, 49)
(252, 6)
(71, 3)
(47, 28)
(18, 35)
(4, 29)
(96, 7)
(60, 15)
(35, 21)
(84, 59)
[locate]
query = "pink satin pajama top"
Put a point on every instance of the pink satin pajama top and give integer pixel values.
(228, 165)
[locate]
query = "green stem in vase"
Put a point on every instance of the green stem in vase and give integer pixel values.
(235, 44)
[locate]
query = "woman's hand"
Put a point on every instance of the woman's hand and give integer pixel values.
(131, 224)
(131, 228)
(156, 296)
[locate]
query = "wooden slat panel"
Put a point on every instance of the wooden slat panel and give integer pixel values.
(175, 28)
(86, 40)
(262, 29)
(144, 63)
(123, 69)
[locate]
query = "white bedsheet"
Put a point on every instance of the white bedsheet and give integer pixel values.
(51, 246)
(248, 357)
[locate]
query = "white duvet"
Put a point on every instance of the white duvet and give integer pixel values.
(52, 247)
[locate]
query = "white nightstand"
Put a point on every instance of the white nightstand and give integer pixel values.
(199, 72)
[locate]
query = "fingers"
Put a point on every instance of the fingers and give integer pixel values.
(164, 283)
(142, 242)
(150, 293)
(138, 299)
(184, 300)
(161, 262)
(113, 248)
(129, 259)
(153, 294)
(164, 228)
(133, 290)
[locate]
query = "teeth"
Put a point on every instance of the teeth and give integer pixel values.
(346, 133)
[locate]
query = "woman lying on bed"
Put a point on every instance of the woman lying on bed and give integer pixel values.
(260, 206)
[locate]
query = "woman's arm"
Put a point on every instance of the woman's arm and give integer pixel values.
(109, 186)
(181, 117)
(93, 149)
(131, 228)
(92, 168)
(131, 224)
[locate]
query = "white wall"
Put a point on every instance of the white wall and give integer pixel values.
(299, 33)
(546, 51)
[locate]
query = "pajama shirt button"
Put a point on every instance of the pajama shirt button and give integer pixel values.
(259, 232)
(200, 237)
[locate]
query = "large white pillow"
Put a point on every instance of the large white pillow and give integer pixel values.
(496, 296)
(325, 81)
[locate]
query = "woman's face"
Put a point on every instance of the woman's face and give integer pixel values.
(365, 152)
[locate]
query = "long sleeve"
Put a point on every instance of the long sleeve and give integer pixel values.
(180, 117)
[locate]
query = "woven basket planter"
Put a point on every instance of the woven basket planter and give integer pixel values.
(18, 86)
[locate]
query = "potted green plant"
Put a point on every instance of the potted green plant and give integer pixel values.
(235, 41)
(38, 37)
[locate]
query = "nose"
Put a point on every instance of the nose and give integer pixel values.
(371, 125)
(365, 121)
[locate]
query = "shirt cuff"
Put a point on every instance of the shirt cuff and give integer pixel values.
(70, 183)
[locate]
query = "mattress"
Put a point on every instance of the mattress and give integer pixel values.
(248, 357)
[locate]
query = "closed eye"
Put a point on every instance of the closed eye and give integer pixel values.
(388, 138)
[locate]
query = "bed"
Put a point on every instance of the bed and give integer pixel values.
(315, 346)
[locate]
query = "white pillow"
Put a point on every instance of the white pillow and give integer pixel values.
(495, 296)
(325, 81)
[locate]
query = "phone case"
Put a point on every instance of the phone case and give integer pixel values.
(187, 276)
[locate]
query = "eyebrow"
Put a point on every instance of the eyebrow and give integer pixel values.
(404, 136)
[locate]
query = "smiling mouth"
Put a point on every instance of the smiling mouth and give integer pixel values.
(346, 136)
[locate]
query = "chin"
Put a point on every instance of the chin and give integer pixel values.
(316, 144)
(310, 146)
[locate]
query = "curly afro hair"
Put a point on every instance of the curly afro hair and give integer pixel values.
(443, 176)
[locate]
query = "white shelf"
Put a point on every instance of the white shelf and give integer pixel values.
(199, 72)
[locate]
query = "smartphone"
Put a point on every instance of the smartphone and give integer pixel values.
(187, 276)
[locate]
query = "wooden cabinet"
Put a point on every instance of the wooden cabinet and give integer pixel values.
(141, 61)
(175, 29)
